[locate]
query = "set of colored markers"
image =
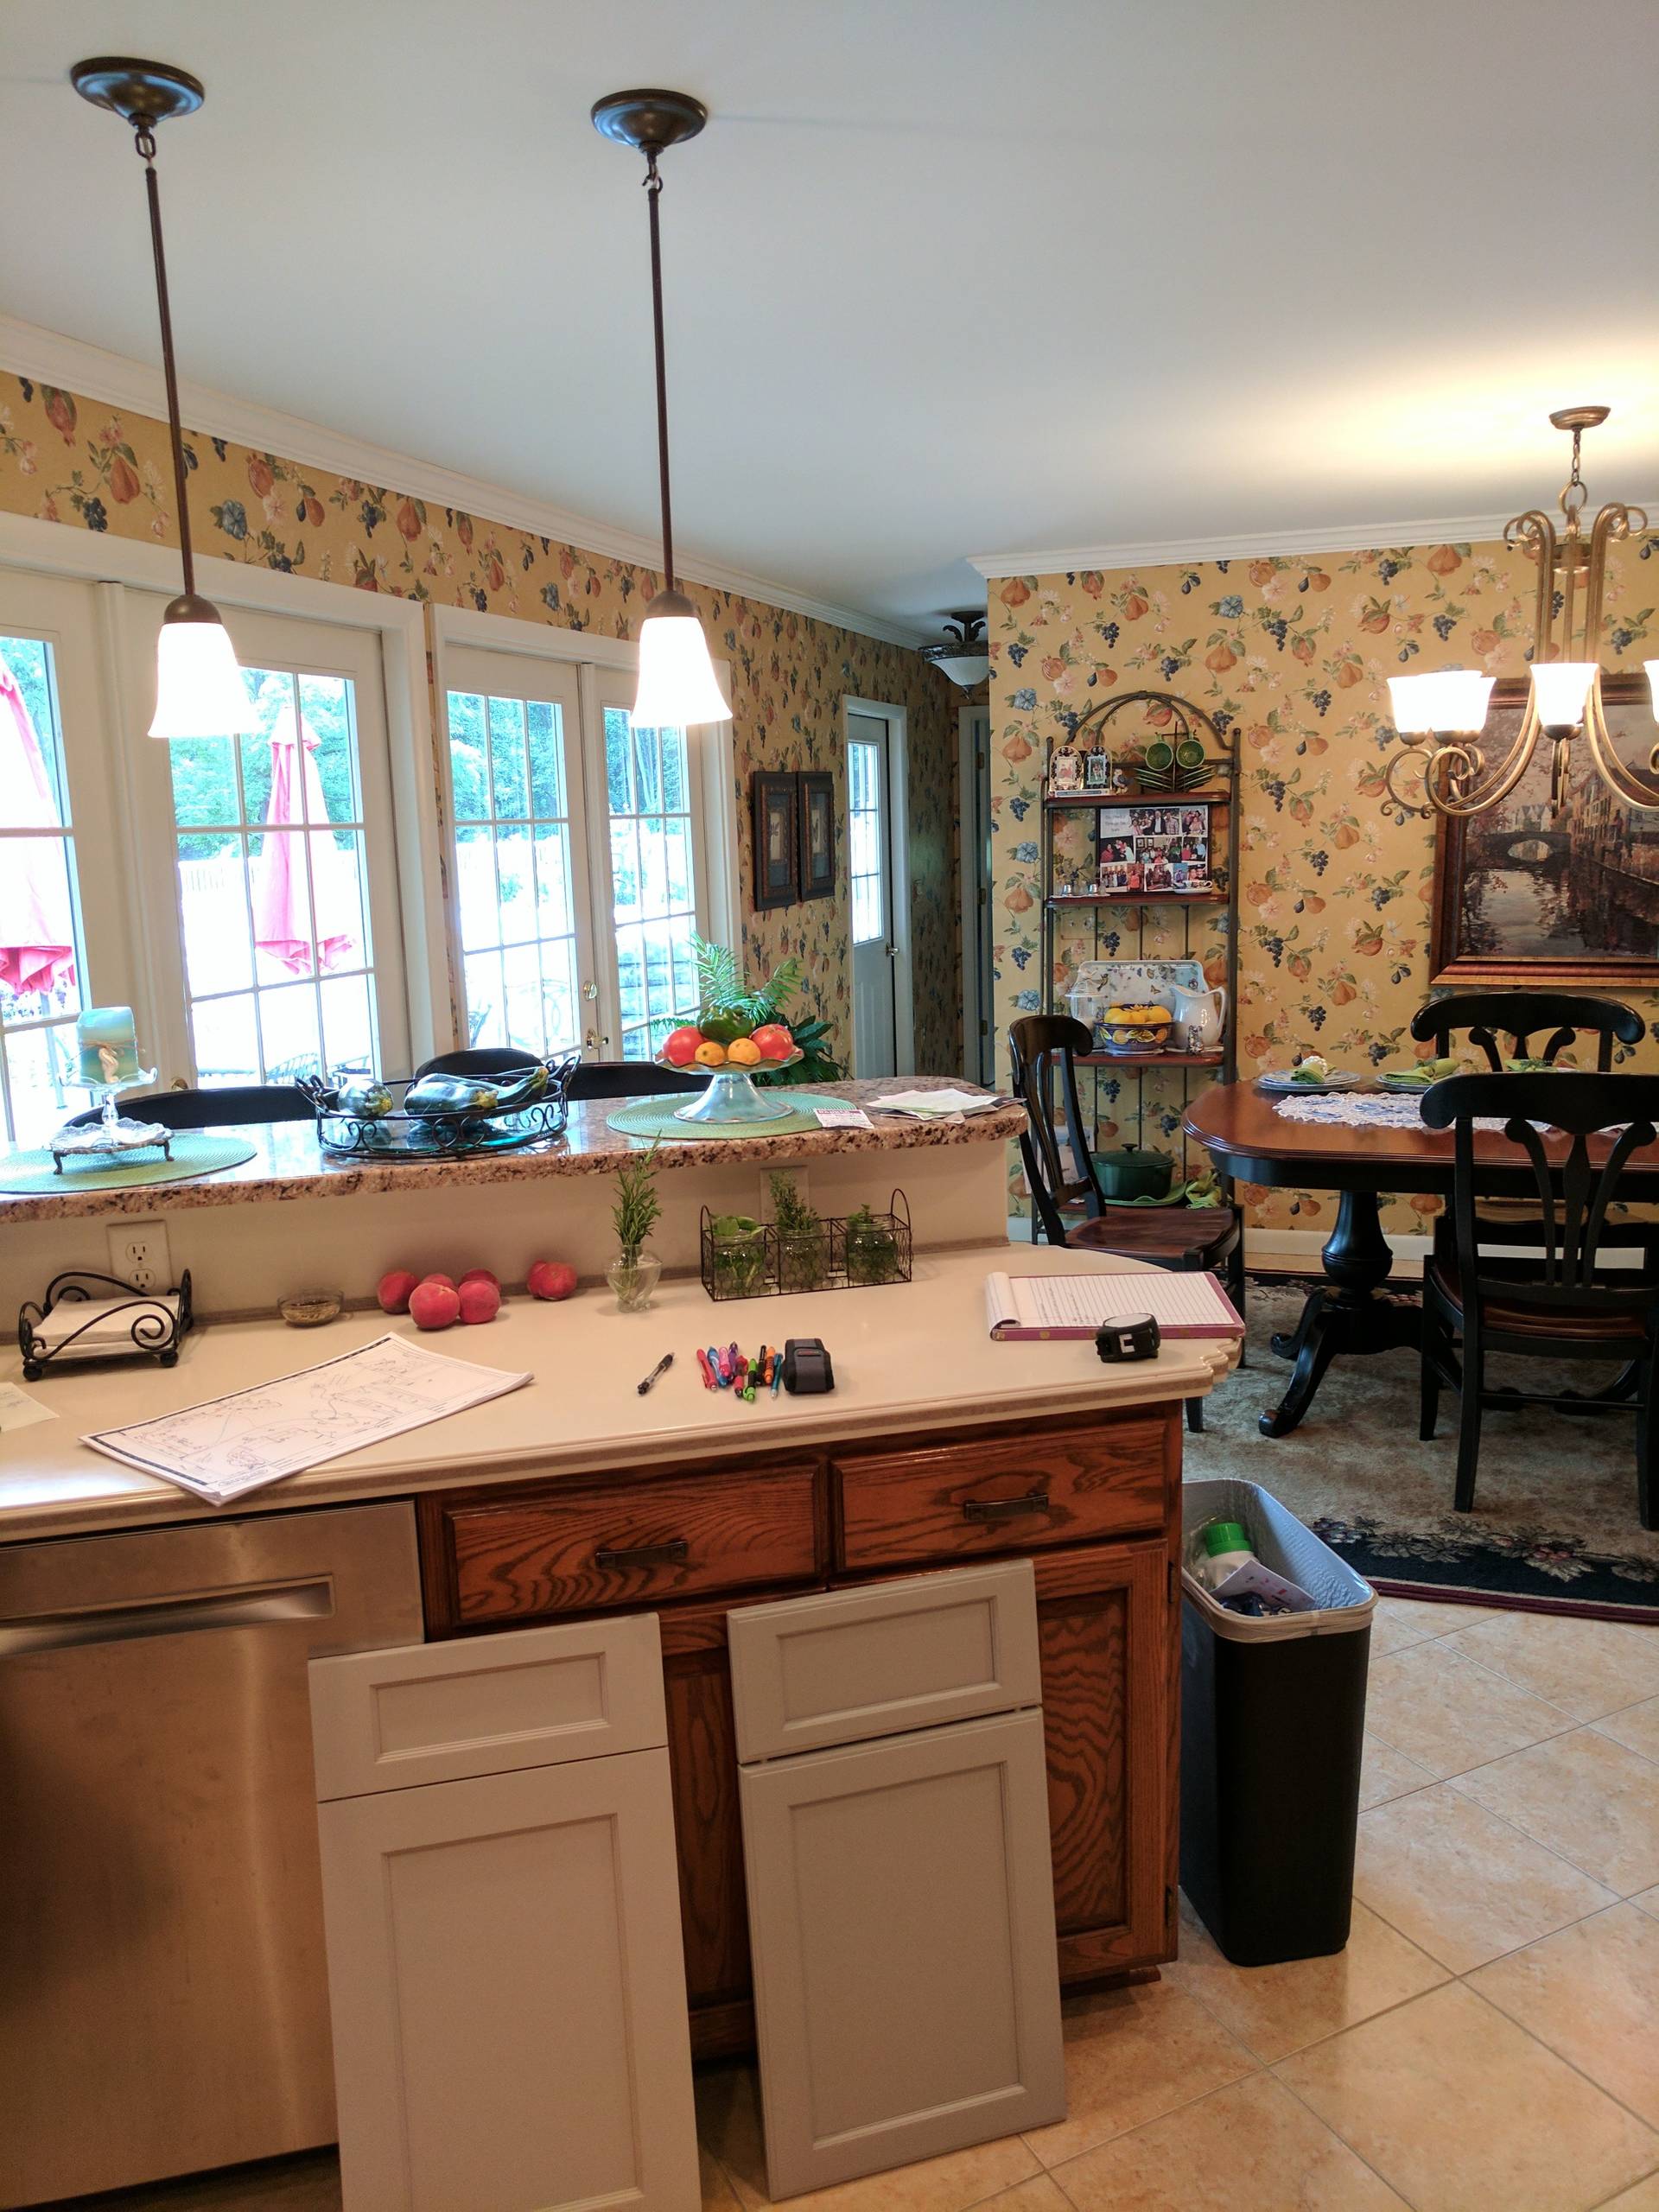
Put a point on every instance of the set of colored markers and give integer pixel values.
(731, 1370)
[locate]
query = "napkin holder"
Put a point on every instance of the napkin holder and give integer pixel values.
(131, 1325)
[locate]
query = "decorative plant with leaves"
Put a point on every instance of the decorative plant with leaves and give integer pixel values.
(872, 1248)
(637, 1209)
(803, 1254)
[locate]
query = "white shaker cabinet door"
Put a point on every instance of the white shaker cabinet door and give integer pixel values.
(901, 1914)
(508, 1992)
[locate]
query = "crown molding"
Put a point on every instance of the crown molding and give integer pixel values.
(1343, 537)
(116, 380)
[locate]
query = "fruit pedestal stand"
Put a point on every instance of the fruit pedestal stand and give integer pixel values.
(730, 1094)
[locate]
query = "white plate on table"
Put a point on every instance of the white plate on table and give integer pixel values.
(1283, 1083)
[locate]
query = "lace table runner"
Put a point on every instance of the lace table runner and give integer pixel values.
(1366, 1111)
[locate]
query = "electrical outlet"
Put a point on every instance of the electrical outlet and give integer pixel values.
(138, 1255)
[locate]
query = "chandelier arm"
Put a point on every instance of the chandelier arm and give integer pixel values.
(1640, 791)
(1502, 781)
(1616, 521)
(1533, 533)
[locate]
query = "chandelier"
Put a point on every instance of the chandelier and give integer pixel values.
(1442, 713)
(962, 653)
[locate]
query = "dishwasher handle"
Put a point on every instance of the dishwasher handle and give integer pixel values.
(252, 1606)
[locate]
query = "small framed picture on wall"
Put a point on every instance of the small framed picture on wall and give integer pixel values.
(777, 839)
(817, 813)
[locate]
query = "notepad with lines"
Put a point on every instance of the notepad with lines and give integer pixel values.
(1023, 1307)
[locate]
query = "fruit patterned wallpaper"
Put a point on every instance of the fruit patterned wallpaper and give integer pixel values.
(70, 460)
(1291, 655)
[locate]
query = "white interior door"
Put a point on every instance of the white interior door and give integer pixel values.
(869, 847)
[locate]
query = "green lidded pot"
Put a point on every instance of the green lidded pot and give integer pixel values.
(1133, 1172)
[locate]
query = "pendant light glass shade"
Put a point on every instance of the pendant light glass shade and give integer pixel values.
(1449, 699)
(678, 685)
(200, 692)
(1651, 669)
(1561, 687)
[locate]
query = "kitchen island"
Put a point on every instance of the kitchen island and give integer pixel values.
(295, 1218)
(577, 1495)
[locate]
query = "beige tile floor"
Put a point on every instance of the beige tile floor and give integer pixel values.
(1489, 2042)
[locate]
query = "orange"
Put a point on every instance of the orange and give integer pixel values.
(743, 1052)
(709, 1055)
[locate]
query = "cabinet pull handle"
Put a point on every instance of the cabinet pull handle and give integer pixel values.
(1004, 1509)
(669, 1554)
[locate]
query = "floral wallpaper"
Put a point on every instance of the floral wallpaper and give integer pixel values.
(1291, 656)
(70, 460)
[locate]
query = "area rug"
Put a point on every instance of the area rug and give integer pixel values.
(1554, 1526)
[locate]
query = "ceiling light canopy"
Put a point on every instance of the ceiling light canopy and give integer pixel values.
(962, 653)
(677, 676)
(1441, 713)
(199, 687)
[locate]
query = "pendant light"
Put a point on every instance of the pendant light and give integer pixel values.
(676, 677)
(199, 687)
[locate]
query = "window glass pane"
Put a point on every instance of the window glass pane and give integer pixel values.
(469, 761)
(522, 978)
(561, 1030)
(475, 885)
(204, 780)
(648, 782)
(347, 1030)
(41, 955)
(543, 728)
(507, 758)
(280, 906)
(217, 955)
(487, 1019)
(625, 868)
(515, 867)
(226, 1038)
(675, 783)
(555, 897)
(617, 783)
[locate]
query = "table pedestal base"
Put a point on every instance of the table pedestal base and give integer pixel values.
(1345, 1313)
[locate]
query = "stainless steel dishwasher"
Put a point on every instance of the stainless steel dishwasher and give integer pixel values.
(163, 1998)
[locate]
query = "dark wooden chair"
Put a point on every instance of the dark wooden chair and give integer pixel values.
(589, 1079)
(1042, 1049)
(1488, 1016)
(1558, 1303)
(236, 1106)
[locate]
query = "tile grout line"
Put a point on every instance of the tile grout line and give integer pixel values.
(1572, 2064)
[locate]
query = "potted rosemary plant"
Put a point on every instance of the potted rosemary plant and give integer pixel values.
(633, 1274)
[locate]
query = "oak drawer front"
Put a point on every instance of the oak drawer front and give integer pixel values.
(1006, 1494)
(634, 1543)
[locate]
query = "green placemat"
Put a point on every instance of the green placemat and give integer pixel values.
(30, 1174)
(656, 1117)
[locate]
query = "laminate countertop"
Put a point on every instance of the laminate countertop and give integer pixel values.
(907, 1356)
(289, 1163)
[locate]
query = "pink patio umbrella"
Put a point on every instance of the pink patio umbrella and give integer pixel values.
(37, 937)
(282, 915)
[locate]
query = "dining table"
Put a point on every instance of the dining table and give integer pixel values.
(1356, 1309)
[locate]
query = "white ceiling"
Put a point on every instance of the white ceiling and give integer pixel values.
(998, 274)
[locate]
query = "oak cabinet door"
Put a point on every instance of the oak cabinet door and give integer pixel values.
(507, 1995)
(1110, 1688)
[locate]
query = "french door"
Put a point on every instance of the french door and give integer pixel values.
(63, 933)
(275, 930)
(869, 845)
(577, 846)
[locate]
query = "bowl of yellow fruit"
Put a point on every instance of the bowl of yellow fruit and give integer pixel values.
(1128, 1030)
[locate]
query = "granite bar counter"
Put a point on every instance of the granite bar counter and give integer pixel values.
(275, 1224)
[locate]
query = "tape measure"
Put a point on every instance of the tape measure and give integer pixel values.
(1128, 1335)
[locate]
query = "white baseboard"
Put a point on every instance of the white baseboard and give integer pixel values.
(1299, 1249)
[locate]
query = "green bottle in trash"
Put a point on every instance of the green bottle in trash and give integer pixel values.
(1226, 1547)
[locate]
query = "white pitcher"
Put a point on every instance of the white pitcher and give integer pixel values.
(1202, 1013)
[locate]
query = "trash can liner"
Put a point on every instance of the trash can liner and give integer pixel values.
(1346, 1600)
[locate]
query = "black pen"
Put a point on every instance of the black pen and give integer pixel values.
(663, 1364)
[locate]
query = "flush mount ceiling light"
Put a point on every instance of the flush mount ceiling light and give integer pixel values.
(1442, 713)
(963, 655)
(676, 677)
(199, 687)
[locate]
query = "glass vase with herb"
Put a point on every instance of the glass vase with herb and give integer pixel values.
(737, 1250)
(872, 1248)
(803, 1241)
(634, 1273)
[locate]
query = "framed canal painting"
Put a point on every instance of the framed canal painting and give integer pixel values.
(777, 839)
(1521, 897)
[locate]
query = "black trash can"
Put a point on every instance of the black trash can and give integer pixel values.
(1273, 1720)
